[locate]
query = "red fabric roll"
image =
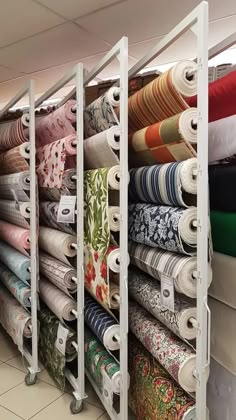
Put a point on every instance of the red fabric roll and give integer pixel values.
(222, 97)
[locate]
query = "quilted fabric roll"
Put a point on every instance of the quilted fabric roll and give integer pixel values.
(222, 94)
(58, 273)
(147, 292)
(169, 228)
(15, 236)
(59, 303)
(173, 354)
(15, 160)
(171, 140)
(148, 382)
(58, 244)
(14, 318)
(223, 288)
(98, 360)
(163, 97)
(222, 143)
(223, 227)
(102, 150)
(102, 324)
(51, 357)
(17, 287)
(56, 125)
(48, 217)
(14, 186)
(53, 159)
(15, 213)
(172, 184)
(100, 114)
(14, 133)
(156, 262)
(222, 180)
(68, 187)
(18, 263)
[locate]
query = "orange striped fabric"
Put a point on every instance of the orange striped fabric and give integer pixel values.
(12, 161)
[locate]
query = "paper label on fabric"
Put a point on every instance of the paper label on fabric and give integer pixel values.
(167, 292)
(107, 389)
(60, 343)
(66, 209)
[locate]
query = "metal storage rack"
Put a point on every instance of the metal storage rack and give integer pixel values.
(32, 358)
(198, 18)
(77, 383)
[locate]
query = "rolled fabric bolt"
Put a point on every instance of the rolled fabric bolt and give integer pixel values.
(114, 291)
(114, 218)
(114, 177)
(101, 150)
(113, 260)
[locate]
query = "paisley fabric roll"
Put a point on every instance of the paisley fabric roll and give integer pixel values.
(15, 160)
(15, 213)
(14, 133)
(17, 287)
(58, 244)
(48, 217)
(153, 394)
(18, 263)
(102, 149)
(14, 186)
(168, 228)
(172, 184)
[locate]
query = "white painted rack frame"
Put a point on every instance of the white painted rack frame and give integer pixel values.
(198, 17)
(77, 383)
(32, 358)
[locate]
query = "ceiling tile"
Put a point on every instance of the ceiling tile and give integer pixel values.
(72, 9)
(111, 70)
(10, 88)
(221, 29)
(60, 45)
(20, 19)
(7, 74)
(219, 8)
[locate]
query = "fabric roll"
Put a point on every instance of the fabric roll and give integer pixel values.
(56, 125)
(171, 140)
(99, 362)
(99, 256)
(173, 354)
(221, 94)
(223, 227)
(14, 318)
(14, 133)
(102, 324)
(147, 292)
(15, 261)
(15, 160)
(163, 97)
(160, 263)
(59, 303)
(169, 228)
(48, 212)
(100, 114)
(223, 338)
(222, 143)
(53, 159)
(102, 150)
(14, 186)
(222, 180)
(223, 288)
(114, 291)
(17, 287)
(17, 213)
(58, 273)
(51, 357)
(15, 236)
(114, 218)
(153, 394)
(68, 187)
(58, 244)
(172, 184)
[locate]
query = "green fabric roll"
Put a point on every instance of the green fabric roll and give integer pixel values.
(223, 227)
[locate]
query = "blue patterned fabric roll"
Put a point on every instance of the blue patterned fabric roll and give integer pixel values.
(18, 263)
(102, 324)
(17, 288)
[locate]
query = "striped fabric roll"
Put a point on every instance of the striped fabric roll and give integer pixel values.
(14, 133)
(15, 160)
(101, 323)
(171, 184)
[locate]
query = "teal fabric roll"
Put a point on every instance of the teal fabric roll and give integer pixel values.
(17, 288)
(18, 263)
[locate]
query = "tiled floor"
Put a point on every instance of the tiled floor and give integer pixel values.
(42, 401)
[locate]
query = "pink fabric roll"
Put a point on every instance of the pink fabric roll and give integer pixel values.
(15, 236)
(56, 125)
(13, 134)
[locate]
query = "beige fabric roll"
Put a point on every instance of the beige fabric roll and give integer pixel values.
(223, 337)
(223, 286)
(58, 244)
(114, 291)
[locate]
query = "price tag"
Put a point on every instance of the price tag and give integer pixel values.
(107, 390)
(66, 209)
(167, 292)
(62, 334)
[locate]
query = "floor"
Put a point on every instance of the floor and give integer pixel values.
(42, 401)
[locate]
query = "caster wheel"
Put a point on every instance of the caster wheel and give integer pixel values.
(30, 379)
(76, 406)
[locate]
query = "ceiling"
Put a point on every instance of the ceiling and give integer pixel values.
(42, 39)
